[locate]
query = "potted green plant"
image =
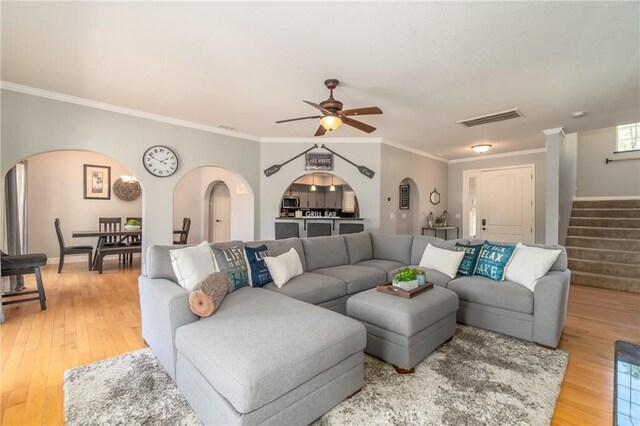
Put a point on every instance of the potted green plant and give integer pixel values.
(406, 279)
(440, 221)
(133, 225)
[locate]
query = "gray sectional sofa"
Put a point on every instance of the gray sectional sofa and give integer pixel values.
(270, 356)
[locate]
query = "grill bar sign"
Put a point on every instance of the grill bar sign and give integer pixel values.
(316, 161)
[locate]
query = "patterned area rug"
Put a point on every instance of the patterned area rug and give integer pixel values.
(478, 378)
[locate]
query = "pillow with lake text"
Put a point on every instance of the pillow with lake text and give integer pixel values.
(493, 261)
(470, 259)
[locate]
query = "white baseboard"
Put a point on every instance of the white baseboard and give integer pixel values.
(74, 258)
(619, 197)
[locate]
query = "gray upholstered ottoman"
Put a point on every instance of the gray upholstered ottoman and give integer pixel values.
(404, 331)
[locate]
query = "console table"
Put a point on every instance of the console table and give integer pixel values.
(446, 230)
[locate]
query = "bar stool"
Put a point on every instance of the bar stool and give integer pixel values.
(287, 230)
(318, 229)
(350, 228)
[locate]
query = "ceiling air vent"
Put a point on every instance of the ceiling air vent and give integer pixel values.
(491, 118)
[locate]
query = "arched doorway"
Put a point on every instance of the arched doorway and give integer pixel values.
(77, 187)
(208, 194)
(220, 213)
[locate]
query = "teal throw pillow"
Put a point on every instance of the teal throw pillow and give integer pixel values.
(470, 259)
(233, 262)
(493, 261)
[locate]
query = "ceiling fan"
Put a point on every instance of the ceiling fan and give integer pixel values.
(333, 115)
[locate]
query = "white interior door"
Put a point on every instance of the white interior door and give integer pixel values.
(220, 208)
(507, 206)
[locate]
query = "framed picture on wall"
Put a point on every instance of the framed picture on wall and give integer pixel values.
(404, 197)
(97, 182)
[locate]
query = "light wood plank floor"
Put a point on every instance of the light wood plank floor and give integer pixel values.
(90, 317)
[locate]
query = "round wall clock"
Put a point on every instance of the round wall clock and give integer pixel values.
(160, 161)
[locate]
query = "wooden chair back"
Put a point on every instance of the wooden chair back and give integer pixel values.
(110, 224)
(186, 225)
(56, 224)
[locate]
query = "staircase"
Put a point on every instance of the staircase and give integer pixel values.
(603, 244)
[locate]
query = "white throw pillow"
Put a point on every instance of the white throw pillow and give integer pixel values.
(192, 264)
(445, 261)
(529, 264)
(284, 267)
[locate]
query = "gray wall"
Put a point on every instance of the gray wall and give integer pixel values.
(597, 179)
(567, 184)
(33, 125)
(455, 184)
(396, 165)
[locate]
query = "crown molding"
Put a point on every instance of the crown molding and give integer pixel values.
(415, 151)
(320, 141)
(506, 154)
(7, 85)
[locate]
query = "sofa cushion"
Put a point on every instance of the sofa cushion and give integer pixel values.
(284, 343)
(392, 247)
(325, 252)
(499, 294)
(357, 277)
(359, 247)
(433, 276)
(561, 263)
(384, 265)
(278, 247)
(312, 288)
(420, 243)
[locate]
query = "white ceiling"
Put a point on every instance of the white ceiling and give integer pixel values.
(427, 65)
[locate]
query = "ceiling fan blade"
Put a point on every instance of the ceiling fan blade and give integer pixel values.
(358, 125)
(321, 131)
(300, 118)
(361, 111)
(324, 111)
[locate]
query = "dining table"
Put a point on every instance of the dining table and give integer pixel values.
(122, 237)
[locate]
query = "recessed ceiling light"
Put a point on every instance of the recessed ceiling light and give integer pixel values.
(579, 114)
(482, 148)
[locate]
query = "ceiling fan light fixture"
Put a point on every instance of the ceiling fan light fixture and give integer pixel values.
(482, 148)
(330, 122)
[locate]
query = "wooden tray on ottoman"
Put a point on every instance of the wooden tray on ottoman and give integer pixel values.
(397, 291)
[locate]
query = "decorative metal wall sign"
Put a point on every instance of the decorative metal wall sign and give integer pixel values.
(404, 197)
(362, 169)
(318, 161)
(270, 171)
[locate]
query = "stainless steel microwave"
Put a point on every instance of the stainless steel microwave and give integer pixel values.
(290, 202)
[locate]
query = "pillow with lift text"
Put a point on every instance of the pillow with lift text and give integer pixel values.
(493, 261)
(470, 259)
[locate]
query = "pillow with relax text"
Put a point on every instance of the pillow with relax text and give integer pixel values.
(493, 261)
(470, 259)
(258, 272)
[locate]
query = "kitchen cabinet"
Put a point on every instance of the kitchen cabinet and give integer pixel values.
(349, 201)
(303, 193)
(333, 199)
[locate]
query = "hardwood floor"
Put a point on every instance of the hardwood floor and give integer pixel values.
(90, 317)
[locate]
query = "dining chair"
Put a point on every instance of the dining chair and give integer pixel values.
(134, 240)
(184, 232)
(287, 230)
(110, 224)
(318, 229)
(350, 228)
(24, 264)
(69, 250)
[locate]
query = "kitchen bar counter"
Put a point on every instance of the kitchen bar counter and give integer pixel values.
(304, 219)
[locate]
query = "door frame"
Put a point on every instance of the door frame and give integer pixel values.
(212, 210)
(468, 174)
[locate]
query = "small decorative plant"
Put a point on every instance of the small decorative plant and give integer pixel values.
(405, 275)
(440, 221)
(133, 222)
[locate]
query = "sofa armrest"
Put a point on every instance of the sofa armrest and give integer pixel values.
(164, 306)
(550, 307)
